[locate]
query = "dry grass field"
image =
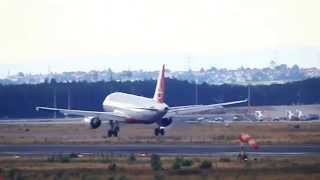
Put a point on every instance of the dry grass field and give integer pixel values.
(265, 133)
(99, 167)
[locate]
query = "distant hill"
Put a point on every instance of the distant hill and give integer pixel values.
(243, 76)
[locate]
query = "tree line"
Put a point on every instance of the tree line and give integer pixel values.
(19, 101)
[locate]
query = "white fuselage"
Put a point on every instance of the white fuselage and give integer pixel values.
(138, 109)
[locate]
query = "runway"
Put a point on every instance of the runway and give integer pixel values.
(170, 150)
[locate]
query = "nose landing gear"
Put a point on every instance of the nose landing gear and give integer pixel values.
(114, 129)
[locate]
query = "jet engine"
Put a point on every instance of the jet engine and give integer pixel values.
(92, 122)
(164, 122)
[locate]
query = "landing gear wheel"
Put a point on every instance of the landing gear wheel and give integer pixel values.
(114, 129)
(156, 132)
(115, 133)
(162, 132)
(110, 133)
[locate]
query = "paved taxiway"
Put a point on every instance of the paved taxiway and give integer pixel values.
(123, 149)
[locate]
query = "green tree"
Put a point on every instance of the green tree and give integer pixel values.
(186, 162)
(132, 158)
(155, 162)
(205, 164)
(176, 165)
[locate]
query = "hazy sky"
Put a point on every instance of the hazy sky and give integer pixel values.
(142, 34)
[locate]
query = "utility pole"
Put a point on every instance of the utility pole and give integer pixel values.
(54, 102)
(249, 98)
(196, 99)
(69, 98)
(196, 92)
(249, 95)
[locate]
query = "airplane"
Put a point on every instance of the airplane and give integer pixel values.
(132, 109)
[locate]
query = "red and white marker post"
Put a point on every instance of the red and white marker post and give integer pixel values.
(246, 139)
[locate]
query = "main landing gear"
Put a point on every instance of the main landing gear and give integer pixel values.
(114, 129)
(159, 131)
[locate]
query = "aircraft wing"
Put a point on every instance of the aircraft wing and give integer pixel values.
(198, 108)
(104, 116)
(42, 121)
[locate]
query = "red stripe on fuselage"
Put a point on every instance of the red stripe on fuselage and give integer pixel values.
(138, 121)
(132, 121)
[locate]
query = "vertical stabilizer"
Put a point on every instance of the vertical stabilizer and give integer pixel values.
(160, 88)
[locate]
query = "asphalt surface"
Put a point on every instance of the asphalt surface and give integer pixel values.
(124, 149)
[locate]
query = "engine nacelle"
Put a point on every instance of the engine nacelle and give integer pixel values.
(164, 122)
(92, 122)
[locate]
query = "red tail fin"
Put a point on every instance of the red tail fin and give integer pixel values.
(160, 89)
